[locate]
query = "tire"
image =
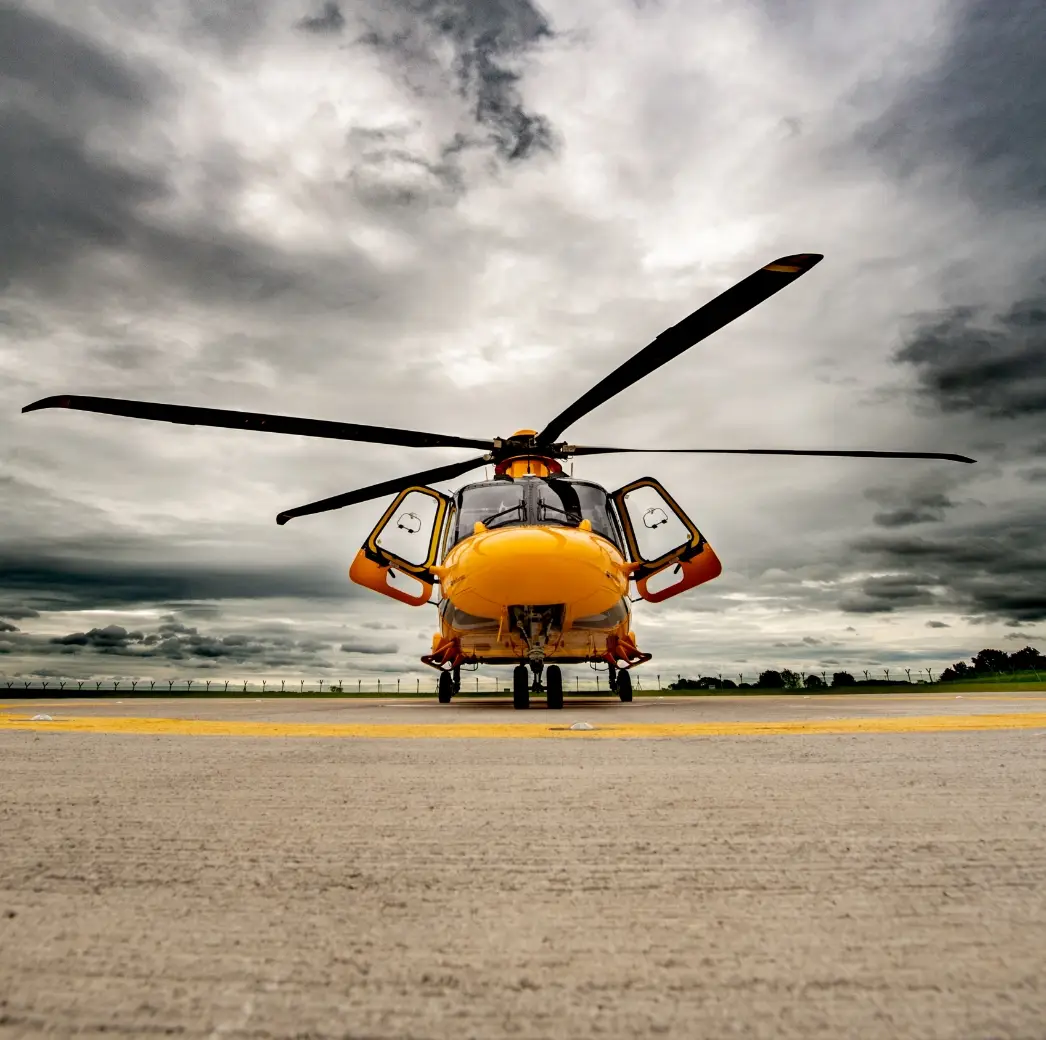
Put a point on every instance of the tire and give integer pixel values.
(446, 687)
(520, 687)
(624, 685)
(554, 686)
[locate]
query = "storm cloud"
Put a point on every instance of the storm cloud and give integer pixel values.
(976, 108)
(329, 20)
(487, 40)
(994, 365)
(82, 582)
(147, 651)
(994, 568)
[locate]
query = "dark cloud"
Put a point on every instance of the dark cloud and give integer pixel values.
(63, 197)
(981, 108)
(361, 647)
(881, 595)
(176, 628)
(994, 569)
(78, 72)
(1035, 475)
(58, 197)
(111, 639)
(171, 642)
(378, 625)
(6, 626)
(967, 361)
(386, 174)
(329, 21)
(55, 582)
(906, 517)
(202, 611)
(18, 613)
(488, 39)
(937, 624)
(925, 500)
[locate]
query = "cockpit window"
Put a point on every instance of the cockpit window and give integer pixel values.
(568, 502)
(532, 500)
(493, 505)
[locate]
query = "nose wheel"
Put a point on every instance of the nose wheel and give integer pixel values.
(446, 687)
(520, 687)
(623, 685)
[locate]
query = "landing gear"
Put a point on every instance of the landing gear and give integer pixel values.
(520, 687)
(446, 687)
(624, 685)
(554, 686)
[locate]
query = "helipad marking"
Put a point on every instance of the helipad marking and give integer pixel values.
(523, 730)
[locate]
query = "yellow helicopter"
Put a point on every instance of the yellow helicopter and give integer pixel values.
(534, 567)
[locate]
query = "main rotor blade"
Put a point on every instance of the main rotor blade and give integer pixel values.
(672, 342)
(388, 487)
(230, 420)
(582, 450)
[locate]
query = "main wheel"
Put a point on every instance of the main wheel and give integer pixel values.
(520, 687)
(446, 687)
(624, 685)
(554, 686)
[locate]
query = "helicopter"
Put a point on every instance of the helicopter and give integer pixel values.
(534, 566)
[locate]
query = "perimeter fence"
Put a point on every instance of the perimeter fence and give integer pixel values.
(404, 687)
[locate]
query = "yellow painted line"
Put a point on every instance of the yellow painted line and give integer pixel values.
(523, 730)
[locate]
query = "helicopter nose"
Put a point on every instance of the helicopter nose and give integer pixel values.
(534, 566)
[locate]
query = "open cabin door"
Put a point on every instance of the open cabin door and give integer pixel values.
(671, 553)
(398, 555)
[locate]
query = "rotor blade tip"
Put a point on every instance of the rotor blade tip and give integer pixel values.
(283, 518)
(798, 263)
(48, 402)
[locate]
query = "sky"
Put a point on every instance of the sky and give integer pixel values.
(457, 215)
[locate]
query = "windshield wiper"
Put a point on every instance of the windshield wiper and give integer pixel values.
(572, 518)
(511, 509)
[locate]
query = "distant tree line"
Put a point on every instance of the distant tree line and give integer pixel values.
(989, 663)
(774, 680)
(985, 665)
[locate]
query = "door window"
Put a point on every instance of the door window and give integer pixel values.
(657, 524)
(407, 534)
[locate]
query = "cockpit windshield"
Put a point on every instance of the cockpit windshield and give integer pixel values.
(535, 501)
(493, 505)
(568, 502)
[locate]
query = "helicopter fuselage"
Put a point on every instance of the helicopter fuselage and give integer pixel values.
(533, 565)
(533, 590)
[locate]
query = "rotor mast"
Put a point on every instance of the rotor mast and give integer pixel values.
(528, 462)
